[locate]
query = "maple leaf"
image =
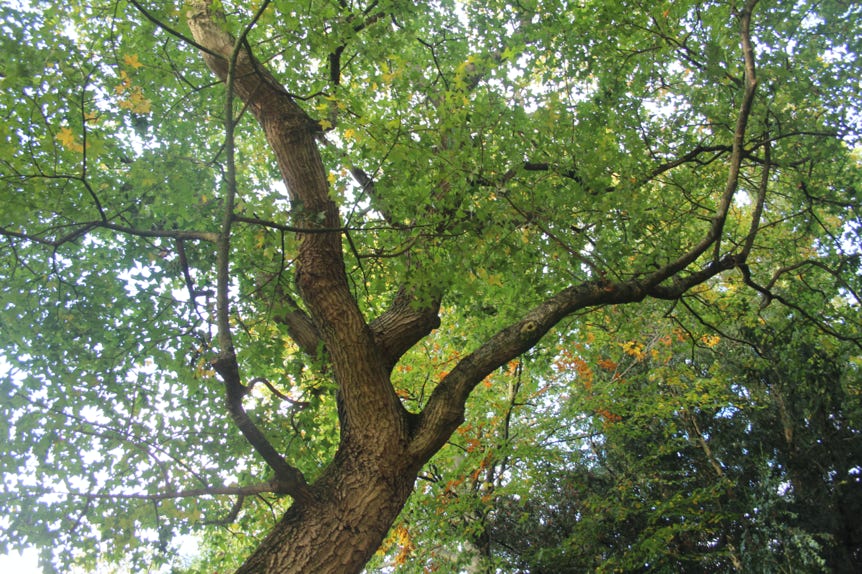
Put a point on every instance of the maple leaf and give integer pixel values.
(136, 102)
(68, 140)
(132, 60)
(126, 83)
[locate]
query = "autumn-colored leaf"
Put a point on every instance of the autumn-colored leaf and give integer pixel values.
(634, 349)
(132, 61)
(136, 102)
(607, 364)
(68, 140)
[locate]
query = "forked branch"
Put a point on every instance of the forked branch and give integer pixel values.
(445, 409)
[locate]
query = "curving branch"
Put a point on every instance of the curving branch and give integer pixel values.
(265, 382)
(692, 156)
(713, 236)
(226, 55)
(300, 327)
(404, 324)
(444, 411)
(769, 295)
(445, 408)
(320, 273)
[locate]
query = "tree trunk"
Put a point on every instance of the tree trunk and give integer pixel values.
(354, 504)
(336, 524)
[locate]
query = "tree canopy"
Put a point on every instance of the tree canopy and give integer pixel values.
(262, 261)
(676, 450)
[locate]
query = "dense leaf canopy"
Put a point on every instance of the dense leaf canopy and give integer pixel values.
(518, 170)
(676, 449)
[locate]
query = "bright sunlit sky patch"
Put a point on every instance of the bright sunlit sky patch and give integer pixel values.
(25, 563)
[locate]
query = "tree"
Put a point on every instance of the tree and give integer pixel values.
(680, 451)
(190, 341)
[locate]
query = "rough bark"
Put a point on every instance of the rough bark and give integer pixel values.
(354, 505)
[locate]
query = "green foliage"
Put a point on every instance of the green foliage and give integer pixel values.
(512, 150)
(679, 451)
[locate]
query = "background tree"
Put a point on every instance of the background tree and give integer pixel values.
(670, 452)
(256, 258)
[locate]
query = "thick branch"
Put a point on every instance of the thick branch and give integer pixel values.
(320, 273)
(404, 324)
(445, 408)
(299, 325)
(301, 329)
(680, 284)
(291, 134)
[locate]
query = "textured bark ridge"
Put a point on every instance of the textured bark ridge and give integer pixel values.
(355, 503)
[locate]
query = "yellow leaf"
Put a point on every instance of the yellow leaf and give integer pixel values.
(331, 177)
(68, 140)
(136, 102)
(127, 82)
(634, 349)
(132, 60)
(143, 106)
(325, 124)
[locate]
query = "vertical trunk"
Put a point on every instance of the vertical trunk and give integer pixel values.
(342, 518)
(353, 505)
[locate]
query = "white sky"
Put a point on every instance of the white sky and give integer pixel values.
(15, 563)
